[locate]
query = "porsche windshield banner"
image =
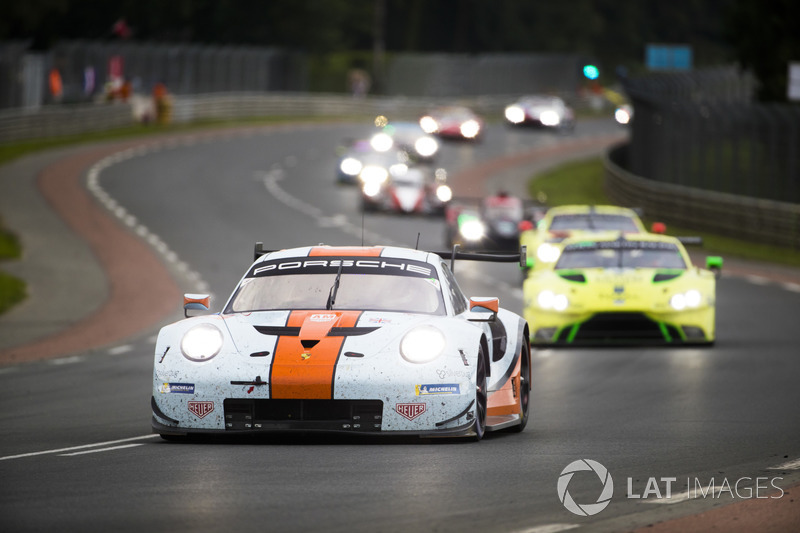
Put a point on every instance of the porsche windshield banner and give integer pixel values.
(350, 265)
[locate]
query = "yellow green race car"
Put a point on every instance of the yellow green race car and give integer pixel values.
(566, 221)
(618, 288)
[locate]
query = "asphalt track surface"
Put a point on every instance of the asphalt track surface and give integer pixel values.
(76, 453)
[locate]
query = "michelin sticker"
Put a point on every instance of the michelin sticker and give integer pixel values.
(444, 388)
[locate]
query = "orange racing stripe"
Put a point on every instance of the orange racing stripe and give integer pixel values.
(307, 373)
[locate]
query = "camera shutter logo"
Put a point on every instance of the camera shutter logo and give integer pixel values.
(588, 509)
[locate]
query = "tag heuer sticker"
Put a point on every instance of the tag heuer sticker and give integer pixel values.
(201, 409)
(410, 410)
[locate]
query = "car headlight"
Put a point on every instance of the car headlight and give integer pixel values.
(683, 300)
(426, 146)
(549, 118)
(374, 174)
(622, 116)
(470, 129)
(381, 142)
(422, 344)
(371, 189)
(548, 253)
(201, 343)
(547, 299)
(428, 124)
(351, 166)
(472, 229)
(444, 193)
(515, 114)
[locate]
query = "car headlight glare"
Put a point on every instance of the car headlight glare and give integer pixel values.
(549, 118)
(371, 189)
(470, 129)
(686, 300)
(515, 114)
(351, 166)
(428, 124)
(381, 142)
(547, 299)
(201, 343)
(678, 301)
(426, 146)
(548, 253)
(374, 174)
(444, 193)
(422, 344)
(472, 230)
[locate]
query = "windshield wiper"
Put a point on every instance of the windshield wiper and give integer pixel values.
(334, 289)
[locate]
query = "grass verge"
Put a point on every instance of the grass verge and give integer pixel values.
(581, 182)
(12, 290)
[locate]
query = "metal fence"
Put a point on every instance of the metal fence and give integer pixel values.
(86, 67)
(703, 130)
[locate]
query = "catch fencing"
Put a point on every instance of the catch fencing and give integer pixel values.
(703, 130)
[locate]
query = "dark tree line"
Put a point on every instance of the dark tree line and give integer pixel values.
(757, 33)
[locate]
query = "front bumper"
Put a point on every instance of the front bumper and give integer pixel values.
(623, 327)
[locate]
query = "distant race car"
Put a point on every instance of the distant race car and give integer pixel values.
(541, 111)
(488, 224)
(422, 147)
(453, 122)
(417, 189)
(542, 240)
(618, 288)
(359, 155)
(370, 340)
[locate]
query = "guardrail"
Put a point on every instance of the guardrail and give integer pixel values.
(753, 219)
(59, 120)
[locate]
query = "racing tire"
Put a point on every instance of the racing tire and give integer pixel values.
(524, 388)
(481, 397)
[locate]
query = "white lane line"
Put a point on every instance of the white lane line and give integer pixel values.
(794, 287)
(790, 465)
(66, 360)
(757, 280)
(548, 528)
(82, 447)
(118, 350)
(101, 450)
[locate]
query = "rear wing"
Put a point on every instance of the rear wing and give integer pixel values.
(521, 257)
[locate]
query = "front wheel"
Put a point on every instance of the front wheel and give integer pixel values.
(524, 393)
(481, 397)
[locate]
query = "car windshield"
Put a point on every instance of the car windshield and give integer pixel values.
(594, 222)
(628, 255)
(368, 285)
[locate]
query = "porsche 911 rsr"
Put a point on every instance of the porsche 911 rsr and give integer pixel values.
(543, 240)
(453, 122)
(369, 340)
(622, 288)
(550, 112)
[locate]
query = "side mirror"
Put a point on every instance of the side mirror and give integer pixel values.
(480, 307)
(714, 264)
(196, 302)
